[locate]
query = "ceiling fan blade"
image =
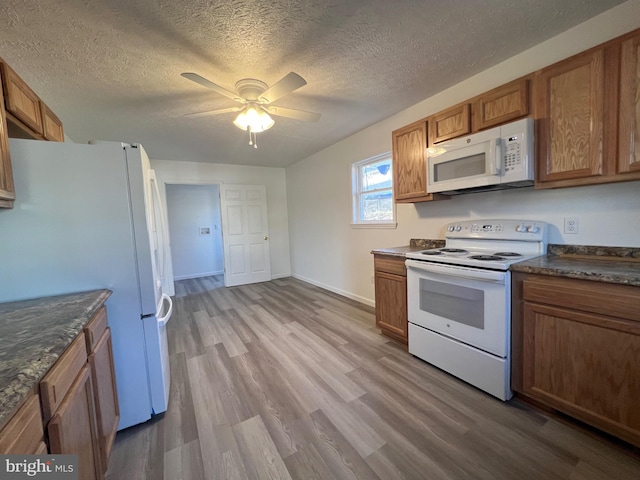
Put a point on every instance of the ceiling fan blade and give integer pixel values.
(209, 113)
(293, 113)
(194, 77)
(290, 82)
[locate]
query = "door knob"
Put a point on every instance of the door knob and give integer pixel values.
(266, 238)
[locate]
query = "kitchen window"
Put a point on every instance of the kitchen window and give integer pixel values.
(372, 199)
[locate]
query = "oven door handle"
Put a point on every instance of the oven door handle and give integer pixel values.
(459, 272)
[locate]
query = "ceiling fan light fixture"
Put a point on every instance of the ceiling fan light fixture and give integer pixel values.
(253, 118)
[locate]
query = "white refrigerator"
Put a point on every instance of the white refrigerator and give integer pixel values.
(88, 217)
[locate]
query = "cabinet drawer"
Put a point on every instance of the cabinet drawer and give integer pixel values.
(596, 297)
(24, 434)
(390, 264)
(57, 382)
(96, 327)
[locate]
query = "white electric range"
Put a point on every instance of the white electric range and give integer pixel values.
(459, 299)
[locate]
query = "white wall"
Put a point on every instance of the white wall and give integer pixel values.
(326, 251)
(191, 208)
(176, 172)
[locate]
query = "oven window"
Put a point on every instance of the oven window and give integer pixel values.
(460, 304)
(460, 168)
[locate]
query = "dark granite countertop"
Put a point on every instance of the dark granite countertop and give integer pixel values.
(620, 265)
(33, 335)
(415, 245)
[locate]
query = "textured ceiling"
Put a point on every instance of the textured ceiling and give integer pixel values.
(111, 69)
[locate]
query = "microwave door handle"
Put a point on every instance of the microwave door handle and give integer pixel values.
(495, 154)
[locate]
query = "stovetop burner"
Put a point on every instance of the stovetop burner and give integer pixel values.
(432, 252)
(486, 258)
(508, 254)
(453, 250)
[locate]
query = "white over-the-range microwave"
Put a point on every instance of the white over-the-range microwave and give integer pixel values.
(494, 159)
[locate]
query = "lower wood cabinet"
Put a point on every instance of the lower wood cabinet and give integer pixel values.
(98, 337)
(23, 434)
(72, 428)
(77, 405)
(391, 296)
(576, 348)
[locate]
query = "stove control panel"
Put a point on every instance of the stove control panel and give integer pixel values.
(525, 230)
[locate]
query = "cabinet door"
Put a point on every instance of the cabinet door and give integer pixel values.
(501, 105)
(23, 434)
(585, 365)
(51, 125)
(451, 123)
(569, 110)
(410, 161)
(7, 192)
(20, 100)
(391, 305)
(72, 427)
(629, 123)
(105, 395)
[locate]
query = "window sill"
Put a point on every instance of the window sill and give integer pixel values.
(392, 225)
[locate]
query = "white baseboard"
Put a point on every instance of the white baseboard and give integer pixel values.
(344, 293)
(280, 275)
(198, 275)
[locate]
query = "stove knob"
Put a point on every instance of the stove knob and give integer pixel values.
(532, 229)
(521, 228)
(450, 228)
(458, 228)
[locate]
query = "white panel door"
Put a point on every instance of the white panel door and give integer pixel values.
(245, 233)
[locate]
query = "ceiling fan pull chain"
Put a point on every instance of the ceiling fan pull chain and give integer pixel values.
(250, 139)
(255, 141)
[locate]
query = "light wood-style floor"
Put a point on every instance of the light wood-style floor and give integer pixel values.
(284, 380)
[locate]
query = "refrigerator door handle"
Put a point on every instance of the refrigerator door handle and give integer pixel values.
(163, 320)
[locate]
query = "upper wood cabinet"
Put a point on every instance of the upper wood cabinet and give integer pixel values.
(410, 164)
(570, 112)
(500, 105)
(451, 123)
(629, 123)
(21, 101)
(587, 111)
(51, 125)
(22, 115)
(7, 191)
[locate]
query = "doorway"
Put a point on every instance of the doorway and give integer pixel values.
(195, 230)
(238, 235)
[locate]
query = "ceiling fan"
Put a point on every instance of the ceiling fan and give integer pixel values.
(255, 98)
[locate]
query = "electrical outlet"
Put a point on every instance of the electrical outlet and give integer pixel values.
(571, 225)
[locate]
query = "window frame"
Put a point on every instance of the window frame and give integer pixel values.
(357, 192)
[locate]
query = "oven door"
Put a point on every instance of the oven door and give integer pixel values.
(470, 305)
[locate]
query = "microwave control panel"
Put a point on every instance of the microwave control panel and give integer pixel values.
(513, 153)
